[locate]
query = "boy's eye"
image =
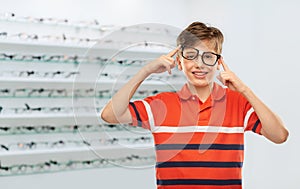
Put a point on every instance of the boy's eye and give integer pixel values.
(208, 56)
(190, 55)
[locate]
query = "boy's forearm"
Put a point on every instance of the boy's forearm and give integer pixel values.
(118, 105)
(272, 126)
(121, 99)
(116, 111)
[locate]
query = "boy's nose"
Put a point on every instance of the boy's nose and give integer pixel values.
(198, 61)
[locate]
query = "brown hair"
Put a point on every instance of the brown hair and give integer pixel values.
(198, 31)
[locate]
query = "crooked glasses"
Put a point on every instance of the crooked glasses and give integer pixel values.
(191, 53)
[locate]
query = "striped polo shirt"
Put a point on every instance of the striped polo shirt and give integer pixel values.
(198, 144)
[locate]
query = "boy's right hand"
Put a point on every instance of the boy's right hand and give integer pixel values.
(163, 63)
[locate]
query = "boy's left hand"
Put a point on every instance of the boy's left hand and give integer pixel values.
(229, 79)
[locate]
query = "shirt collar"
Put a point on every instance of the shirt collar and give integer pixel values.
(217, 94)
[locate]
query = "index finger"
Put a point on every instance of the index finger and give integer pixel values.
(225, 67)
(173, 52)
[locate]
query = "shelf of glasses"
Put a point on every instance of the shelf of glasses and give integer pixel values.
(56, 133)
(43, 163)
(58, 104)
(85, 25)
(100, 137)
(94, 25)
(54, 166)
(50, 111)
(35, 46)
(11, 125)
(47, 115)
(105, 82)
(48, 47)
(40, 129)
(76, 92)
(53, 119)
(27, 83)
(80, 49)
(107, 97)
(25, 60)
(82, 149)
(40, 108)
(44, 148)
(11, 18)
(13, 158)
(19, 141)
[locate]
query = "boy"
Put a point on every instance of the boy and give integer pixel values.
(199, 130)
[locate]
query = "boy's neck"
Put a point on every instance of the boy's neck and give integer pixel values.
(202, 92)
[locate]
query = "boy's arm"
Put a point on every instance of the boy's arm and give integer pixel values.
(272, 126)
(116, 110)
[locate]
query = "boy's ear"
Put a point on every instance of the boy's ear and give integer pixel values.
(179, 62)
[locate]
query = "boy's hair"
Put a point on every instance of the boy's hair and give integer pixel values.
(197, 32)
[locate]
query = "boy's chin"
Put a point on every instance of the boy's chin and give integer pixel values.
(201, 83)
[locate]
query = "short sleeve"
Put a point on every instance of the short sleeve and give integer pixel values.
(142, 111)
(251, 120)
(151, 111)
(139, 114)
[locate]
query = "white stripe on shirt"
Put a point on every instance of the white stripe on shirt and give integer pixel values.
(250, 111)
(205, 129)
(149, 113)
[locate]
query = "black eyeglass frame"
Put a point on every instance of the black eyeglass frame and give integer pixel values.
(218, 55)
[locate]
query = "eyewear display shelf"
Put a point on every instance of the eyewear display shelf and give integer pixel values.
(54, 80)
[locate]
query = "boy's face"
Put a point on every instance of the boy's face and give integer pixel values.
(197, 73)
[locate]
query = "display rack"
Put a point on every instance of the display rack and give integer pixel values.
(56, 75)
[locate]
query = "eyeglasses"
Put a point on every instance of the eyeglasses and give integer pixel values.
(208, 58)
(42, 58)
(39, 129)
(39, 74)
(75, 59)
(47, 38)
(67, 93)
(43, 110)
(145, 29)
(35, 92)
(55, 166)
(92, 24)
(33, 145)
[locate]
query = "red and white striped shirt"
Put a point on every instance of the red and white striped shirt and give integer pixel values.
(198, 144)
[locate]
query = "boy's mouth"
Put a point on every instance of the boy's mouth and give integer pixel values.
(199, 74)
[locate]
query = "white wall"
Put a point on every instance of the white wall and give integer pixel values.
(261, 46)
